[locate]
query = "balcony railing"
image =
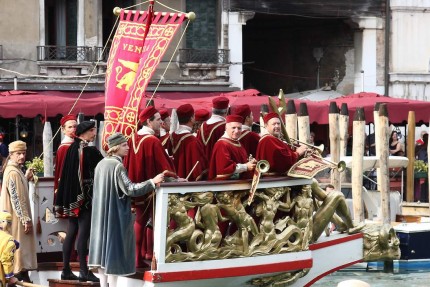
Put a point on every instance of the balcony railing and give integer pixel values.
(204, 56)
(1, 52)
(64, 53)
(99, 54)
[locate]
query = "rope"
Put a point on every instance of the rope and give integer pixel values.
(86, 83)
(168, 64)
(165, 6)
(135, 5)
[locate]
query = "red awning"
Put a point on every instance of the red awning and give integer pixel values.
(49, 103)
(52, 103)
(398, 109)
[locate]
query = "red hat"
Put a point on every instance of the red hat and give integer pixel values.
(185, 111)
(233, 119)
(243, 111)
(201, 115)
(220, 103)
(147, 113)
(164, 114)
(67, 118)
(270, 116)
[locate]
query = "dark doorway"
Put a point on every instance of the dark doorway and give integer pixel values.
(295, 53)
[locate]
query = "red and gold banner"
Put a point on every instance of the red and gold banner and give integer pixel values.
(122, 65)
(308, 167)
(160, 34)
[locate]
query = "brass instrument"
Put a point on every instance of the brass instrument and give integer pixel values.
(341, 165)
(319, 148)
(262, 166)
(279, 111)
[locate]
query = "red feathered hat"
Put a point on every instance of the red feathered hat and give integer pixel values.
(270, 116)
(185, 111)
(67, 118)
(147, 113)
(243, 111)
(233, 119)
(201, 115)
(164, 114)
(220, 103)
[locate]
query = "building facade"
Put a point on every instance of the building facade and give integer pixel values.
(341, 45)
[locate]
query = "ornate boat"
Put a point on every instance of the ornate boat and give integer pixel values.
(268, 242)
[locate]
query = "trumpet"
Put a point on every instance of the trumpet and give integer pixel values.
(262, 166)
(319, 148)
(341, 165)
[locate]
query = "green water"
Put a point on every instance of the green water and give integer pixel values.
(378, 278)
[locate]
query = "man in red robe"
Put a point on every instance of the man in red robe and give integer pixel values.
(273, 149)
(187, 150)
(165, 131)
(200, 116)
(68, 128)
(146, 159)
(248, 139)
(211, 130)
(229, 159)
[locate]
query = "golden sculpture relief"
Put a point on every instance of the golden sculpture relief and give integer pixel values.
(380, 243)
(283, 279)
(279, 220)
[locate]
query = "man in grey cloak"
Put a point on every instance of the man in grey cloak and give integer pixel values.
(112, 239)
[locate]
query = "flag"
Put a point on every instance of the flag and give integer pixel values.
(122, 64)
(160, 33)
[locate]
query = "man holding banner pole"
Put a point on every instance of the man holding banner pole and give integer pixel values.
(145, 160)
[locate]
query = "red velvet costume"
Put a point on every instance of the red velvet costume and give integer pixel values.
(59, 160)
(279, 155)
(187, 150)
(226, 155)
(166, 143)
(209, 134)
(145, 160)
(249, 140)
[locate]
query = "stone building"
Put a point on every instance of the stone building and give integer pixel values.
(235, 44)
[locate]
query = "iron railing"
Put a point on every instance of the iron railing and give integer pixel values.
(204, 56)
(64, 53)
(99, 54)
(1, 52)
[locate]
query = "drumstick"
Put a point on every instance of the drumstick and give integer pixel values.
(192, 170)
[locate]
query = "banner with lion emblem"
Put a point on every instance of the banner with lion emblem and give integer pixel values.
(160, 34)
(124, 55)
(139, 44)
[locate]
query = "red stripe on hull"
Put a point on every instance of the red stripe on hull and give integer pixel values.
(157, 277)
(336, 241)
(310, 283)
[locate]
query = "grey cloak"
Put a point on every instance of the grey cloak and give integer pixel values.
(112, 239)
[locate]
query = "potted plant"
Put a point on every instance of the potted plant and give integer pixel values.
(37, 165)
(420, 169)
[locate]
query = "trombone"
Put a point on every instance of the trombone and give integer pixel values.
(341, 165)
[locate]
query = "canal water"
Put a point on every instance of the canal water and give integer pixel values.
(408, 276)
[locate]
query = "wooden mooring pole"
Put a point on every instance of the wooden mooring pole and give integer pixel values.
(358, 131)
(333, 121)
(291, 119)
(410, 153)
(303, 123)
